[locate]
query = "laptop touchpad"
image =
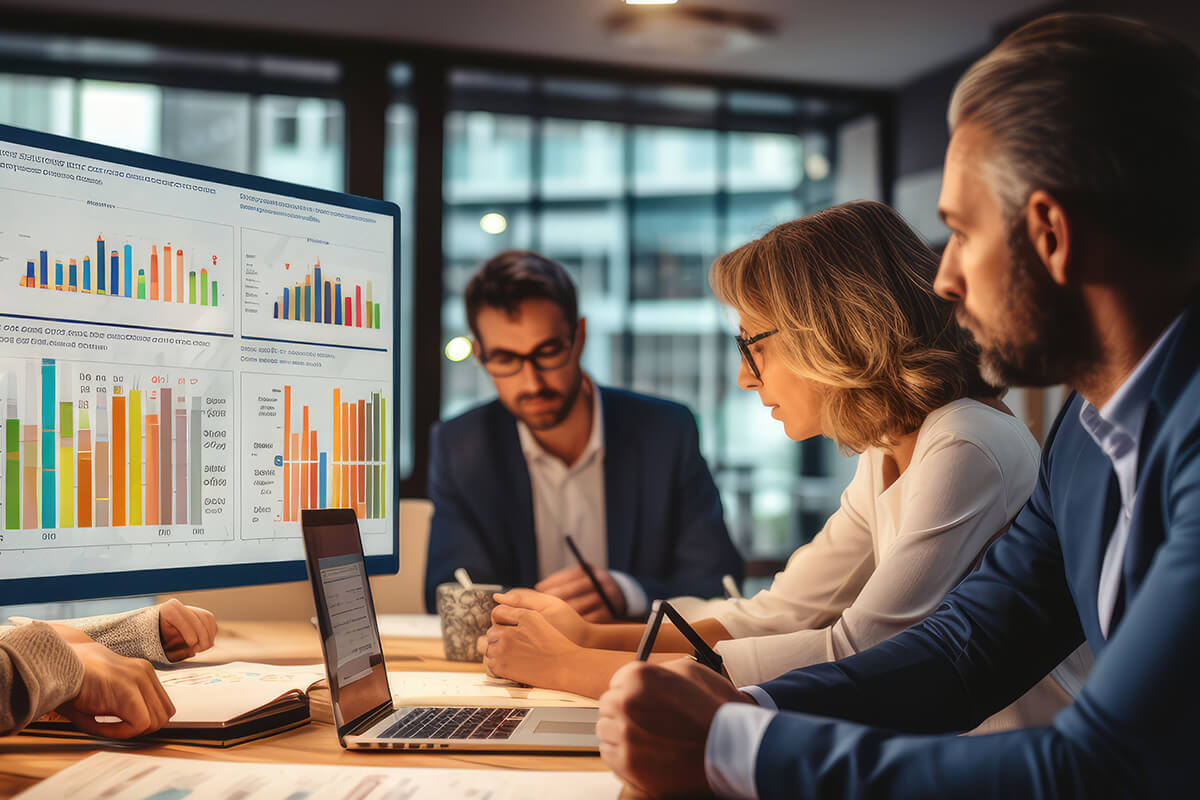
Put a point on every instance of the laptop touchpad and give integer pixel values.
(562, 726)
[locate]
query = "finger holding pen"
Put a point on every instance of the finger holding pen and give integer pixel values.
(591, 576)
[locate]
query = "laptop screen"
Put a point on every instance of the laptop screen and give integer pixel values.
(346, 615)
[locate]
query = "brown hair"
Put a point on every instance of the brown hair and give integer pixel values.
(850, 290)
(509, 278)
(1104, 114)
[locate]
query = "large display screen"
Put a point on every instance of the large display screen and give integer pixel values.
(189, 357)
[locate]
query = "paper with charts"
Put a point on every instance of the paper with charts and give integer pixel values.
(124, 776)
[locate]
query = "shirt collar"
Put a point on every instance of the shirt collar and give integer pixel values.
(1118, 424)
(595, 447)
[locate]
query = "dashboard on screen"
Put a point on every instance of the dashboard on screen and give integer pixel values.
(189, 358)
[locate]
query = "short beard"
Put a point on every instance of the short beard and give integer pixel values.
(1047, 338)
(552, 419)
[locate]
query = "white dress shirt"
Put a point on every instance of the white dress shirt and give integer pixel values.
(883, 562)
(569, 499)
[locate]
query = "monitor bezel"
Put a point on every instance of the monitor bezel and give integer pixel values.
(59, 588)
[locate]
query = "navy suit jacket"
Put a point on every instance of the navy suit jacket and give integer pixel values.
(1131, 732)
(665, 525)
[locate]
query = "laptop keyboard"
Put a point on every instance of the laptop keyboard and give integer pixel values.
(456, 723)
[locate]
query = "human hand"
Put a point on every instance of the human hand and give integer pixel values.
(115, 686)
(70, 635)
(522, 646)
(553, 609)
(654, 722)
(573, 586)
(185, 630)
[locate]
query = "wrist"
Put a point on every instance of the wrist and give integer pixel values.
(70, 635)
(566, 667)
(591, 635)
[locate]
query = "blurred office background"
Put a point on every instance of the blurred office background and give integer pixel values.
(632, 144)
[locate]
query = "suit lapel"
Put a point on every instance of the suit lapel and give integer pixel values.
(622, 481)
(518, 491)
(1148, 526)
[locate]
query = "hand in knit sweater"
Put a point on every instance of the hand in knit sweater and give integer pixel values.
(40, 671)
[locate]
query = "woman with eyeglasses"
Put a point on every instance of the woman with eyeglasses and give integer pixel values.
(841, 336)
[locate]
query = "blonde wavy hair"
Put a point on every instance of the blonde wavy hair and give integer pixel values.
(850, 290)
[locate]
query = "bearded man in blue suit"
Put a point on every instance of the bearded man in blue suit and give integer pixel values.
(1072, 193)
(556, 455)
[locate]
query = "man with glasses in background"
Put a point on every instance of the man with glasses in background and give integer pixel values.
(555, 455)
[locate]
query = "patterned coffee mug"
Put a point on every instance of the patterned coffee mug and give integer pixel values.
(466, 614)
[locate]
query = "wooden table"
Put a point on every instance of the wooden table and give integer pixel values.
(24, 760)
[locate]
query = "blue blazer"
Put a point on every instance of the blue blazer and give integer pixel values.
(665, 525)
(1132, 731)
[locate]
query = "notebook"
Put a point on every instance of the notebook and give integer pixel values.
(220, 705)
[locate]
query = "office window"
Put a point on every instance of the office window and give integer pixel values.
(399, 186)
(635, 190)
(293, 137)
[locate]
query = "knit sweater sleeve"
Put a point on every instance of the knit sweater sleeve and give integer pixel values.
(38, 673)
(134, 634)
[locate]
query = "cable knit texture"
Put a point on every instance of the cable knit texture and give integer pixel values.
(38, 673)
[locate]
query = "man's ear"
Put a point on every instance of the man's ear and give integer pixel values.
(1050, 232)
(581, 333)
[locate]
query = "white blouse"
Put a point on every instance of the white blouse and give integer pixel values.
(889, 554)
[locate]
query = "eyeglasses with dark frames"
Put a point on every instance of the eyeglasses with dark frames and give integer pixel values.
(550, 355)
(744, 347)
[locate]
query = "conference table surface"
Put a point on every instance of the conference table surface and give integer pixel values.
(25, 760)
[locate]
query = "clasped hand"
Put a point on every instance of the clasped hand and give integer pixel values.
(654, 723)
(573, 586)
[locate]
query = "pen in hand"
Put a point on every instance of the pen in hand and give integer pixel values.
(587, 570)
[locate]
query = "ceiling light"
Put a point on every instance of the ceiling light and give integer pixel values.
(688, 29)
(650, 2)
(458, 348)
(493, 223)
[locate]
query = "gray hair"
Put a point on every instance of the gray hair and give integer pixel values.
(1104, 114)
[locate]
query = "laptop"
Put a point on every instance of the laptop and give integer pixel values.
(363, 711)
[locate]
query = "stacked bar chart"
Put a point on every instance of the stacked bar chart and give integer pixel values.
(136, 276)
(343, 467)
(319, 299)
(97, 448)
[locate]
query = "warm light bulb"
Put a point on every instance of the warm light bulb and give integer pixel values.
(816, 166)
(493, 223)
(650, 2)
(458, 348)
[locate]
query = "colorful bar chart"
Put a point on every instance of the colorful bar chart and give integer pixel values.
(344, 467)
(321, 300)
(128, 276)
(115, 450)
